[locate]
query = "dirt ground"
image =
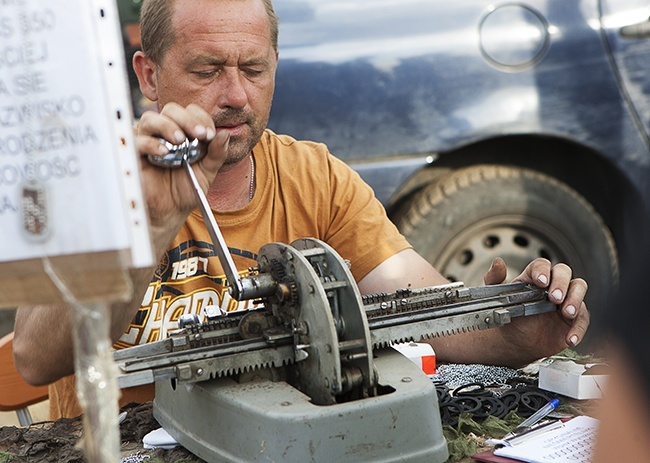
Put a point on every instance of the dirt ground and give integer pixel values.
(58, 442)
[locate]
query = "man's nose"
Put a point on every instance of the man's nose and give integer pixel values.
(232, 89)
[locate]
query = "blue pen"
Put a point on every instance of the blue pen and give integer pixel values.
(534, 418)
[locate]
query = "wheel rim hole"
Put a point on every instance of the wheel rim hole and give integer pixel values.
(545, 254)
(466, 257)
(491, 241)
(521, 241)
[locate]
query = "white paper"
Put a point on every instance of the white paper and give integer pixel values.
(159, 439)
(66, 122)
(572, 443)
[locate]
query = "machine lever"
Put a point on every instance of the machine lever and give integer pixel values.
(220, 246)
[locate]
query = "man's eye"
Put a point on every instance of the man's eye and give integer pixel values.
(253, 72)
(205, 74)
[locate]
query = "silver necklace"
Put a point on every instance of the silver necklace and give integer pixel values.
(251, 188)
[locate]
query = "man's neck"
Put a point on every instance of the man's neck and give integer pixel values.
(231, 187)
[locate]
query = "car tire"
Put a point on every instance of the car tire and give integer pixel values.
(462, 222)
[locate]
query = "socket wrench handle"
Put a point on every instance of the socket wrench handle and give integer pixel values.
(218, 240)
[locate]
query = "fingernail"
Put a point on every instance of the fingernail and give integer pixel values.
(179, 136)
(557, 295)
(200, 130)
(542, 279)
(570, 310)
(210, 134)
(162, 149)
(574, 340)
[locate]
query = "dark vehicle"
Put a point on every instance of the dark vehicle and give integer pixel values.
(513, 129)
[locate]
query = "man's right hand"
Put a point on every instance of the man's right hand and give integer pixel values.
(43, 354)
(168, 192)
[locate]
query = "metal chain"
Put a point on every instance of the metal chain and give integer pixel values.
(137, 457)
(251, 190)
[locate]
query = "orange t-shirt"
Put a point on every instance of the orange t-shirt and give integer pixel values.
(301, 191)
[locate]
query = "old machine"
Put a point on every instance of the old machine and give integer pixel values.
(309, 376)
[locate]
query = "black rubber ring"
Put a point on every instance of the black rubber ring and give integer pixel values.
(468, 404)
(480, 390)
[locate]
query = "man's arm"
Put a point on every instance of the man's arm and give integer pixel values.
(43, 345)
(518, 343)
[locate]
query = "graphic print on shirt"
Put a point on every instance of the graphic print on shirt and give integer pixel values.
(188, 278)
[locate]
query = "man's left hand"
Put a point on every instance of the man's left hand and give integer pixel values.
(546, 334)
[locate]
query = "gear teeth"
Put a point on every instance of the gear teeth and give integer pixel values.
(278, 269)
(222, 373)
(380, 345)
(438, 334)
(280, 273)
(385, 344)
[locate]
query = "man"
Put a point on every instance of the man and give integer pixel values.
(210, 67)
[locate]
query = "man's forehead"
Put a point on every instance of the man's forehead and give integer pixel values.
(219, 8)
(243, 17)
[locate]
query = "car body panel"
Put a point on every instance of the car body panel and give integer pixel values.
(631, 53)
(375, 79)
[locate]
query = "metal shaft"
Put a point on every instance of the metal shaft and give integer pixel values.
(219, 242)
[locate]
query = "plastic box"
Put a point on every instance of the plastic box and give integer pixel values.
(421, 354)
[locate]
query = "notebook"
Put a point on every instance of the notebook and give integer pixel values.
(571, 443)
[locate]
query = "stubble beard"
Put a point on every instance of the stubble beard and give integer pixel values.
(240, 146)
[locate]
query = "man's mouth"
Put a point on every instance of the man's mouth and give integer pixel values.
(234, 128)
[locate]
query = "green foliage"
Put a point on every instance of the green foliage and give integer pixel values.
(129, 10)
(463, 440)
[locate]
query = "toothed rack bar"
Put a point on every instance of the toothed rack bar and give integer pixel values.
(317, 323)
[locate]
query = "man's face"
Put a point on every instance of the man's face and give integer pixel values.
(222, 60)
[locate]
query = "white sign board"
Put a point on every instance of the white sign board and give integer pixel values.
(70, 194)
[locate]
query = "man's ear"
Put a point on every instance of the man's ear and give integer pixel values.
(145, 69)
